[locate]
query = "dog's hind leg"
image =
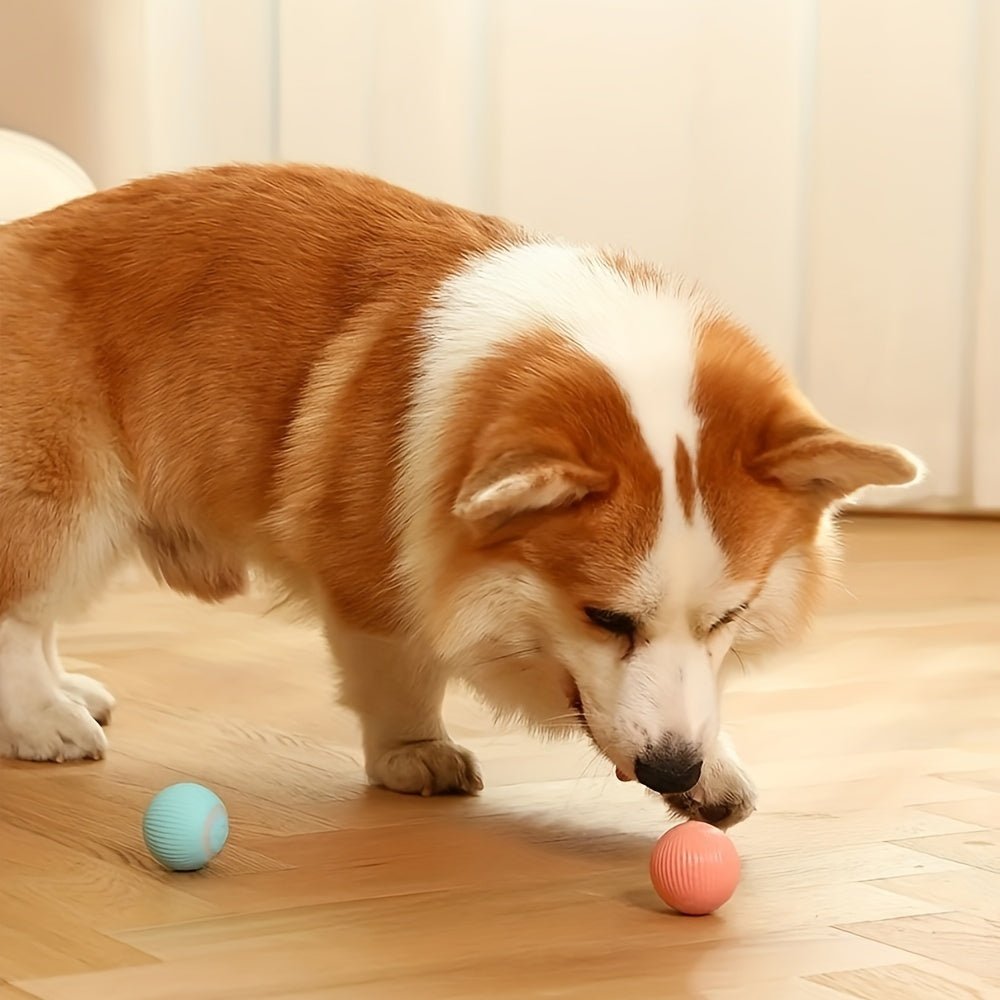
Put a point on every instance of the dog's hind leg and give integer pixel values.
(40, 720)
(64, 521)
(93, 695)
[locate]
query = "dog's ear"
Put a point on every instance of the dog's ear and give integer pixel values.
(518, 482)
(830, 465)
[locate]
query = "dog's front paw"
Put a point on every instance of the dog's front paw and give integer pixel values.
(59, 730)
(724, 797)
(93, 695)
(431, 767)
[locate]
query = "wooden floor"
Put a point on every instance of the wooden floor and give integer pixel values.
(872, 869)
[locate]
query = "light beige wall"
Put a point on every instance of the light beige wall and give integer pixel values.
(828, 168)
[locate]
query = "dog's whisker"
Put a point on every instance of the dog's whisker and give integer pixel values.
(818, 574)
(509, 655)
(596, 764)
(553, 719)
(743, 665)
(470, 672)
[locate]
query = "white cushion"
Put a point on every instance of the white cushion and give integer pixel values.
(35, 176)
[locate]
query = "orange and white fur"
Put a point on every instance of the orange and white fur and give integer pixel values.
(475, 453)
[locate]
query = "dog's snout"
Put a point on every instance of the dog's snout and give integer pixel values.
(669, 767)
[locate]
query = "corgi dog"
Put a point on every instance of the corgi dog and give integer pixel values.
(473, 452)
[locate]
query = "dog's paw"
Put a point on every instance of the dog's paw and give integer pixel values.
(724, 797)
(62, 729)
(432, 767)
(93, 695)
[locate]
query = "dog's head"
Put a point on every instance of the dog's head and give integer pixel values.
(613, 523)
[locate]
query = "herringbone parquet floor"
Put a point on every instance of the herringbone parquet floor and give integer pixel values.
(871, 871)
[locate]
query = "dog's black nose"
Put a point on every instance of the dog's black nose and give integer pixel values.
(669, 768)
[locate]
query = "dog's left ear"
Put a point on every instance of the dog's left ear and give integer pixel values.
(830, 465)
(518, 482)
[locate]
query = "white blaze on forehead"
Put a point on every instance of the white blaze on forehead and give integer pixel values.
(687, 567)
(643, 334)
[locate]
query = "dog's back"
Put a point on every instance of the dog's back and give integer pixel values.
(156, 341)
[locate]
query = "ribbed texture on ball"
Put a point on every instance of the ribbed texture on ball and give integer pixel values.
(694, 868)
(185, 826)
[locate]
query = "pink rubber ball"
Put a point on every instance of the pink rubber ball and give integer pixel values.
(694, 868)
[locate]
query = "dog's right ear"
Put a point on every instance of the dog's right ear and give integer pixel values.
(832, 465)
(515, 483)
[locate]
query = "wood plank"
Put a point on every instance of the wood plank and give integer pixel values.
(980, 849)
(965, 940)
(604, 963)
(902, 982)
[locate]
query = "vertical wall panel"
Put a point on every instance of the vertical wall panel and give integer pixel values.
(208, 88)
(671, 127)
(175, 66)
(428, 125)
(326, 56)
(391, 87)
(241, 79)
(751, 133)
(985, 411)
(887, 317)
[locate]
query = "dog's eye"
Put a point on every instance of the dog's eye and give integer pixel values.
(730, 616)
(616, 622)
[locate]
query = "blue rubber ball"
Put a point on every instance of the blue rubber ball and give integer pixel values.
(185, 826)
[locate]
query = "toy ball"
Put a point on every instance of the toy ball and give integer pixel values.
(694, 868)
(185, 826)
